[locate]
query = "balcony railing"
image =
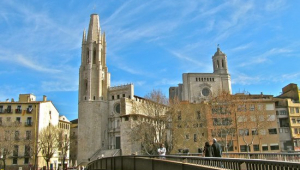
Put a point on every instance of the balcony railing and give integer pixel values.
(29, 110)
(28, 123)
(8, 111)
(18, 111)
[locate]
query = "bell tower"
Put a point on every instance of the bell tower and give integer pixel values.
(220, 62)
(94, 78)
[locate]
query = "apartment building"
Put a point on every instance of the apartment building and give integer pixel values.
(24, 119)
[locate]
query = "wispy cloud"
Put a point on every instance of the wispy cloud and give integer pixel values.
(184, 57)
(265, 56)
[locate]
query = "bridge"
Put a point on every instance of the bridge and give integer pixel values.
(138, 162)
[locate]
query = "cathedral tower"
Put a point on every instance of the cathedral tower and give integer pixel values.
(94, 78)
(94, 82)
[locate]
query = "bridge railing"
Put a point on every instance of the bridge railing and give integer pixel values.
(289, 157)
(187, 163)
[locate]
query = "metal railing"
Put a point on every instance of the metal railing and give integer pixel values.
(289, 157)
(187, 163)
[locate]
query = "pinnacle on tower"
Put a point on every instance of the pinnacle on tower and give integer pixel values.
(93, 33)
(84, 37)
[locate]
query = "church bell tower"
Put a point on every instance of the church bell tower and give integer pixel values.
(94, 78)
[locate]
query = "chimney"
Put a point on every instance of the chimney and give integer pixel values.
(44, 98)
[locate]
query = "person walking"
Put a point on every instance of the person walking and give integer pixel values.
(217, 149)
(208, 150)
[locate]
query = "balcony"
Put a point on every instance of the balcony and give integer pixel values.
(29, 110)
(18, 111)
(28, 124)
(7, 111)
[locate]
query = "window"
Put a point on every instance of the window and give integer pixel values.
(123, 95)
(292, 110)
(254, 132)
(198, 115)
(16, 150)
(17, 135)
(1, 109)
(243, 148)
(187, 136)
(8, 109)
(112, 97)
(118, 96)
(29, 109)
(243, 132)
(296, 131)
(252, 107)
(26, 160)
(293, 120)
(15, 161)
(0, 121)
(18, 119)
(283, 112)
(28, 134)
(298, 120)
(297, 109)
(195, 137)
(8, 119)
(27, 150)
(255, 147)
(274, 146)
(18, 110)
(265, 147)
(273, 131)
(28, 121)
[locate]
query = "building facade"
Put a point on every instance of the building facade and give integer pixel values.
(29, 117)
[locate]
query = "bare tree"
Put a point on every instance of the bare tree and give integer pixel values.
(32, 148)
(188, 125)
(150, 125)
(64, 142)
(48, 142)
(253, 119)
(9, 140)
(221, 119)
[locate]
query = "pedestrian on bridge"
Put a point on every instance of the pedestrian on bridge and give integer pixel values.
(208, 150)
(217, 149)
(162, 150)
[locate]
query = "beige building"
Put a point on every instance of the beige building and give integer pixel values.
(65, 126)
(74, 142)
(31, 117)
(288, 114)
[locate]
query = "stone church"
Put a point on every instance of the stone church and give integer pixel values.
(104, 112)
(198, 87)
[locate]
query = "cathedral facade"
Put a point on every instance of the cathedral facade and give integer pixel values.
(198, 87)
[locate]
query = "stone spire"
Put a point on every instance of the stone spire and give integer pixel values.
(94, 29)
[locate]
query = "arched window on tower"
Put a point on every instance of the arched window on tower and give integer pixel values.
(222, 63)
(217, 63)
(87, 56)
(94, 56)
(86, 85)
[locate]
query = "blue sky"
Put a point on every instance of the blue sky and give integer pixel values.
(149, 43)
